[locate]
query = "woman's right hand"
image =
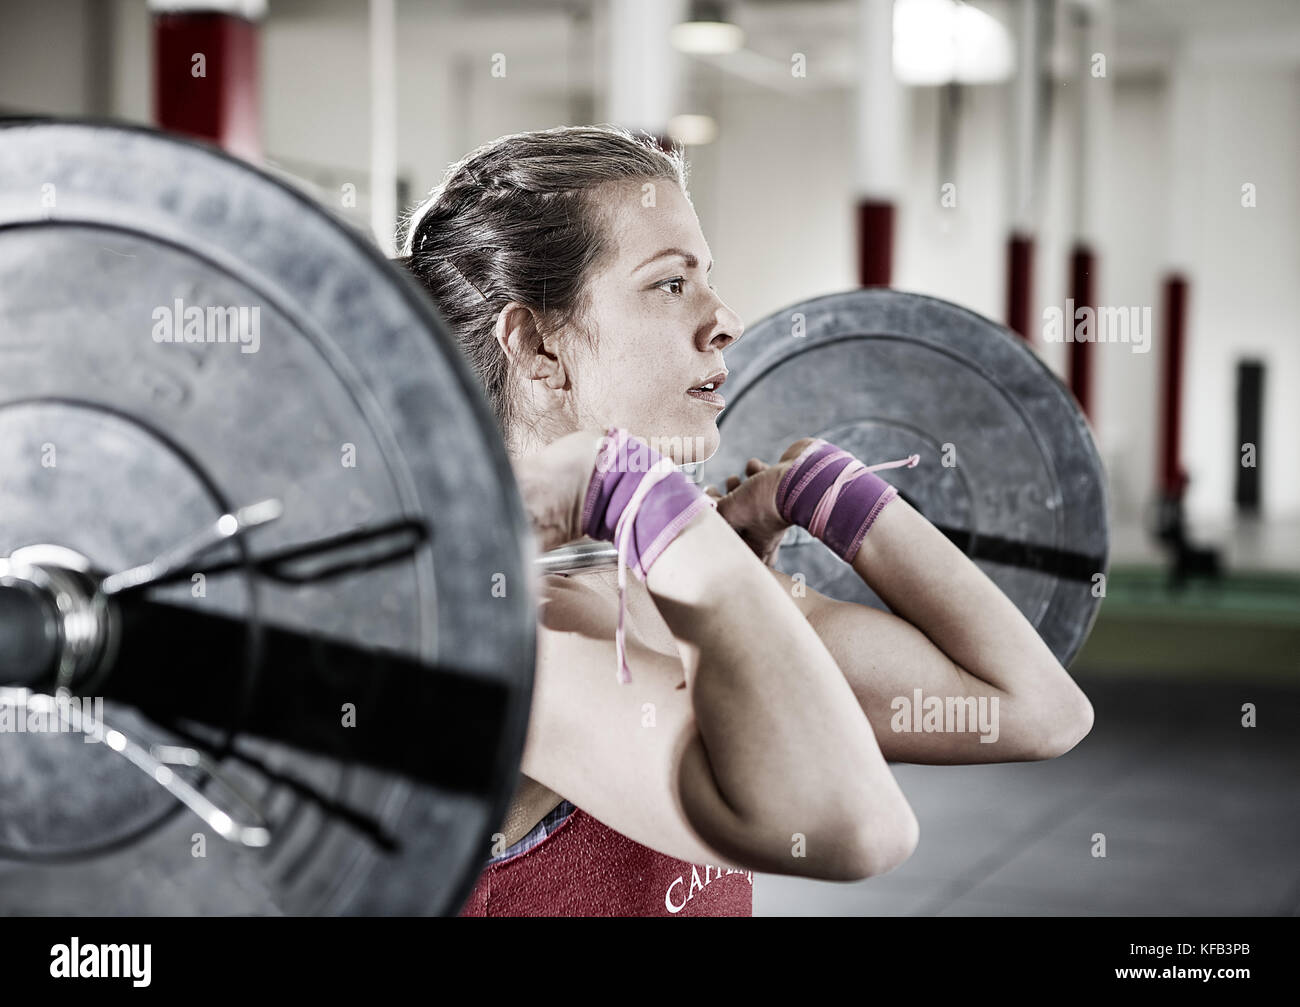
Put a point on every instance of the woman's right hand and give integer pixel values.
(749, 505)
(553, 483)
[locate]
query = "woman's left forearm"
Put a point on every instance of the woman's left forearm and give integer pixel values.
(928, 581)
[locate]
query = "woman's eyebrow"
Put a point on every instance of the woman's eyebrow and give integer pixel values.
(691, 261)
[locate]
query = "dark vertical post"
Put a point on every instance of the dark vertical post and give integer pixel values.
(1020, 284)
(1079, 360)
(875, 242)
(1250, 412)
(1172, 477)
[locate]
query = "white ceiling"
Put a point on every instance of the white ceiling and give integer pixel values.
(1148, 34)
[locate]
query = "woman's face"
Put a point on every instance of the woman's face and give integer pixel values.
(660, 328)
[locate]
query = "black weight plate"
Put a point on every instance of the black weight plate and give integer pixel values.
(886, 374)
(352, 407)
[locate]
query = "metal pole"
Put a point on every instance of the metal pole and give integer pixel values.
(576, 558)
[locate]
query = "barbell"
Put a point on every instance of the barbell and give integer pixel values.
(260, 541)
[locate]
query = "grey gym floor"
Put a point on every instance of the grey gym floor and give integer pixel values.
(1201, 816)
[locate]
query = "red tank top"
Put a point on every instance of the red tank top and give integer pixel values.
(585, 868)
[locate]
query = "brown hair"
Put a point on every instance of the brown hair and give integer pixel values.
(520, 219)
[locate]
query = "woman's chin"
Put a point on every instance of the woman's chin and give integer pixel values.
(687, 440)
(703, 445)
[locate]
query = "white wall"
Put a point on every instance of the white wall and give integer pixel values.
(129, 28)
(772, 196)
(316, 83)
(1131, 260)
(43, 69)
(1245, 293)
(956, 252)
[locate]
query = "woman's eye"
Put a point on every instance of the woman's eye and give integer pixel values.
(677, 280)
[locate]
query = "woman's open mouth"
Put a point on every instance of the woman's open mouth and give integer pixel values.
(707, 391)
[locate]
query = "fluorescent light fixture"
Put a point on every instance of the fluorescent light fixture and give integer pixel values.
(706, 38)
(942, 42)
(693, 130)
(706, 31)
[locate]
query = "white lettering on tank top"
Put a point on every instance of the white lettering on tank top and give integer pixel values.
(697, 885)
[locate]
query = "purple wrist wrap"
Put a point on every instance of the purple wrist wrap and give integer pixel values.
(834, 496)
(638, 500)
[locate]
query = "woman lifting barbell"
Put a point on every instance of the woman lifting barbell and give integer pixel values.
(751, 718)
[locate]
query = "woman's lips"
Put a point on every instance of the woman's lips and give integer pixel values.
(712, 398)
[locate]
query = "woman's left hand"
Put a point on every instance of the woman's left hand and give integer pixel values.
(749, 506)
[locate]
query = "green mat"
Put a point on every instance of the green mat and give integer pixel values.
(1245, 626)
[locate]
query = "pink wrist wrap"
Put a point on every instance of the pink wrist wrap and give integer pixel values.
(638, 500)
(834, 496)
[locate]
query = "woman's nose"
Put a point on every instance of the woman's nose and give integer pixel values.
(728, 329)
(722, 340)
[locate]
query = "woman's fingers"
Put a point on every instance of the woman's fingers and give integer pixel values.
(752, 468)
(795, 449)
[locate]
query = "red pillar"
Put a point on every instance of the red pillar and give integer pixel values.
(875, 242)
(1172, 477)
(1079, 359)
(206, 79)
(1020, 284)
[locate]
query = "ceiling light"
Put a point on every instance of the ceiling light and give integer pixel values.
(693, 130)
(706, 31)
(942, 42)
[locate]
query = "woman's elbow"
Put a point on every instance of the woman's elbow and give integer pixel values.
(1062, 726)
(882, 847)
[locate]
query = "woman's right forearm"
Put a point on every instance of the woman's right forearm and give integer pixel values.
(785, 748)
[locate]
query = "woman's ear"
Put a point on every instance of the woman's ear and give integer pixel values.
(534, 358)
(511, 332)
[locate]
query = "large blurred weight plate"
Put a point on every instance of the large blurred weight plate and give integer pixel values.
(1008, 470)
(351, 406)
